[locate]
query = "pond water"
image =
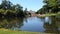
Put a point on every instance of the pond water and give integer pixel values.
(32, 24)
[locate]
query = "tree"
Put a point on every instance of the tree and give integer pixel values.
(25, 11)
(41, 11)
(8, 9)
(6, 4)
(19, 10)
(52, 5)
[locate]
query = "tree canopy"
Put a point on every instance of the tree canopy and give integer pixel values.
(7, 8)
(51, 6)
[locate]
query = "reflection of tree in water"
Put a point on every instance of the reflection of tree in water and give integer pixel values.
(51, 28)
(9, 23)
(25, 19)
(58, 23)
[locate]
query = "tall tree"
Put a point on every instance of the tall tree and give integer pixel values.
(19, 10)
(6, 4)
(25, 11)
(52, 4)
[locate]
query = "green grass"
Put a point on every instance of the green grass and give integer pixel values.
(7, 31)
(58, 15)
(52, 14)
(44, 15)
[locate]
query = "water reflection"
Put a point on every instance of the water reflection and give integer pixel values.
(11, 23)
(48, 20)
(33, 24)
(51, 26)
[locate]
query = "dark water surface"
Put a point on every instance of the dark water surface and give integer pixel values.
(32, 24)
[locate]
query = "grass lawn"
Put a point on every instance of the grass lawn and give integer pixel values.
(44, 15)
(6, 31)
(58, 15)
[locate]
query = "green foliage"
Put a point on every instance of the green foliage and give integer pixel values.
(42, 10)
(8, 7)
(51, 6)
(51, 3)
(25, 11)
(58, 15)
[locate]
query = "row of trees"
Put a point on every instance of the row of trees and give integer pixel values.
(51, 6)
(8, 9)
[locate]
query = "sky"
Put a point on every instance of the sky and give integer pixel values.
(29, 4)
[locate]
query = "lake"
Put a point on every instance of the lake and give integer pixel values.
(32, 24)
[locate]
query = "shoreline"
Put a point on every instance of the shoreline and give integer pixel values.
(8, 31)
(47, 15)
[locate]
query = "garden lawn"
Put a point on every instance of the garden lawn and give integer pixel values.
(7, 31)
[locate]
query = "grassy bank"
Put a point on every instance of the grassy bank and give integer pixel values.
(58, 15)
(52, 14)
(45, 15)
(6, 31)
